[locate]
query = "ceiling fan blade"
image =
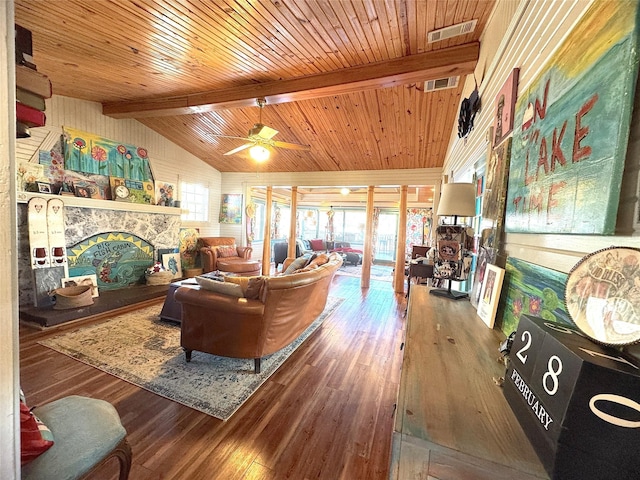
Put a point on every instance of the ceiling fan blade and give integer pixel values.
(261, 131)
(239, 149)
(291, 146)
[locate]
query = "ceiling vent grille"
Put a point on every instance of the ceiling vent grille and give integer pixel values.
(441, 84)
(452, 31)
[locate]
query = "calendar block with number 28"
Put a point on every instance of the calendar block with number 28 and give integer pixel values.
(577, 401)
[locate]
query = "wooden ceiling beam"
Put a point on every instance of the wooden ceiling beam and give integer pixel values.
(448, 62)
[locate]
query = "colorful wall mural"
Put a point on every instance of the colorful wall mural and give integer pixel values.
(90, 153)
(117, 259)
(572, 127)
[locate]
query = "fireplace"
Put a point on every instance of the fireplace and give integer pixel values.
(98, 240)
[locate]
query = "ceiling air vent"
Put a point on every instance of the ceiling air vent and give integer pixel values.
(441, 84)
(452, 31)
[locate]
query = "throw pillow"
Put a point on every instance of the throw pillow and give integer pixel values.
(227, 251)
(224, 288)
(297, 264)
(317, 244)
(35, 437)
(254, 288)
(319, 260)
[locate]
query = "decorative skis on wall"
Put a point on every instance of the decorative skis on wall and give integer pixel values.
(46, 233)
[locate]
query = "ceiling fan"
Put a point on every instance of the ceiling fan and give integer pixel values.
(260, 139)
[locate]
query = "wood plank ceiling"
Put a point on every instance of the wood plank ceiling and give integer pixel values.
(332, 71)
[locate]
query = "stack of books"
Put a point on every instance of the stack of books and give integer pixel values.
(32, 87)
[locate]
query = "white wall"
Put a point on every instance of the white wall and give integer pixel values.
(525, 34)
(9, 425)
(169, 162)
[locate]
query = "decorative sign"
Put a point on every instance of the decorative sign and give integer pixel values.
(131, 191)
(575, 400)
(89, 153)
(572, 127)
(532, 290)
(603, 295)
(117, 259)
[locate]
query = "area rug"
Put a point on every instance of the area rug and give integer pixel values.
(141, 349)
(378, 272)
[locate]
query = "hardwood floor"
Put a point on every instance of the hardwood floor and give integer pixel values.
(327, 413)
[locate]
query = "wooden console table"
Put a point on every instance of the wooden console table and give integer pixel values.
(452, 420)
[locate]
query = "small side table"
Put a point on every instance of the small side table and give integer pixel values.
(172, 310)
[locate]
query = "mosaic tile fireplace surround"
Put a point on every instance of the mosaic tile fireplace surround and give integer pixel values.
(117, 242)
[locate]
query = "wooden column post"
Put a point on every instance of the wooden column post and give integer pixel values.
(291, 252)
(367, 257)
(398, 277)
(266, 245)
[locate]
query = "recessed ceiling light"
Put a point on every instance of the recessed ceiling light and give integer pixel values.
(345, 191)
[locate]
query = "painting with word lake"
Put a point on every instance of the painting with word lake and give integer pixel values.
(572, 128)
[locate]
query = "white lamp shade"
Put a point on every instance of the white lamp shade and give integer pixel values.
(457, 199)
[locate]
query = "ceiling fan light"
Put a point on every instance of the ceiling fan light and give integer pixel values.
(259, 153)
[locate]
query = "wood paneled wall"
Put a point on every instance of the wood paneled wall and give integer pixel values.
(525, 35)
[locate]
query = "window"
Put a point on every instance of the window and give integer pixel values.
(195, 200)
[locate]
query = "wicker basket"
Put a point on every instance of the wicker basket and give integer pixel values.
(72, 297)
(159, 278)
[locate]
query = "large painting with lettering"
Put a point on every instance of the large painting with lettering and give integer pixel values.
(572, 127)
(117, 259)
(531, 289)
(90, 153)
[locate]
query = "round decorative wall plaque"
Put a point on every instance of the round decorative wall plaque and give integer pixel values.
(603, 295)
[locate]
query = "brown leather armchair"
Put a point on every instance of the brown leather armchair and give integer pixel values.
(247, 328)
(209, 254)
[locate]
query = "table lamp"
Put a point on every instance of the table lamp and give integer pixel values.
(456, 200)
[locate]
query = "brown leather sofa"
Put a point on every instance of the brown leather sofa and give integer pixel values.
(239, 263)
(246, 328)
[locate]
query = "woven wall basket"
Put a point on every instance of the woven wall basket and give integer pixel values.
(72, 297)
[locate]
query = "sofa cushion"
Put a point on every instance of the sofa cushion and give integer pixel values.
(225, 251)
(297, 264)
(225, 288)
(35, 437)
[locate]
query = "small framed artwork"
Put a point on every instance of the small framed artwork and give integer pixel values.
(490, 294)
(171, 262)
(91, 279)
(44, 187)
(165, 193)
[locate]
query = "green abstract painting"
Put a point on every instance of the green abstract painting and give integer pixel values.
(530, 289)
(572, 128)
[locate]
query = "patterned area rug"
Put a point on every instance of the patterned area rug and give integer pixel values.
(140, 348)
(378, 272)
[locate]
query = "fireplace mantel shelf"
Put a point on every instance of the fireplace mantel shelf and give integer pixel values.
(69, 201)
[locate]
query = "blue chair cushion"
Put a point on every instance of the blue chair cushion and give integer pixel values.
(86, 430)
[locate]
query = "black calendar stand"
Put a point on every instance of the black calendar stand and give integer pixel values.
(578, 402)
